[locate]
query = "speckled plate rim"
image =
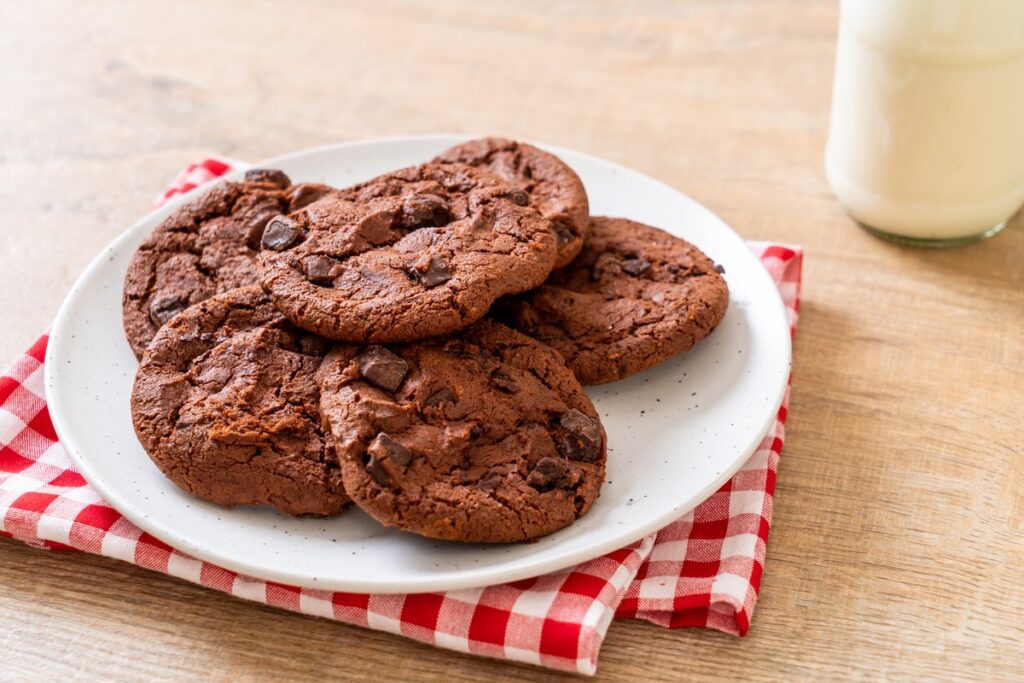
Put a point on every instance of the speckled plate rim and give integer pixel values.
(56, 385)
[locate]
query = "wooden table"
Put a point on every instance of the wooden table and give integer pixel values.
(898, 543)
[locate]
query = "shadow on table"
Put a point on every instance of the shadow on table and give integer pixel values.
(996, 261)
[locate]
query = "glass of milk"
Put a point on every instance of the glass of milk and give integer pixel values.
(926, 142)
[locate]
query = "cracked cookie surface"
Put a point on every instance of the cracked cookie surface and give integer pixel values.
(416, 253)
(482, 437)
(635, 296)
(551, 186)
(226, 404)
(205, 247)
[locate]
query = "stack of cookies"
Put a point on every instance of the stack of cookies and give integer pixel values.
(416, 344)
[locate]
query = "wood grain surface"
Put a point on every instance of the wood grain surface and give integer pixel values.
(898, 545)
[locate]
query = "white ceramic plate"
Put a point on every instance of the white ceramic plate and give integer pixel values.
(675, 433)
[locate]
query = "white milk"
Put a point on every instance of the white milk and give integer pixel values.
(927, 132)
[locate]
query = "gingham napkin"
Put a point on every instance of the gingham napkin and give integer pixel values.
(703, 570)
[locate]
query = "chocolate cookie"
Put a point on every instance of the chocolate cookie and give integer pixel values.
(420, 252)
(635, 296)
(483, 437)
(226, 404)
(552, 187)
(207, 246)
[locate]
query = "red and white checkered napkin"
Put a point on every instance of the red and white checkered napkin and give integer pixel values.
(703, 570)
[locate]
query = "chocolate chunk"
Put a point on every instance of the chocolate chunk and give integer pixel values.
(271, 176)
(377, 227)
(379, 366)
(305, 194)
(385, 448)
(518, 197)
(720, 269)
(318, 269)
(546, 473)
(163, 308)
(437, 273)
(504, 382)
(635, 266)
(424, 209)
(582, 437)
(490, 480)
(280, 233)
(376, 471)
(257, 224)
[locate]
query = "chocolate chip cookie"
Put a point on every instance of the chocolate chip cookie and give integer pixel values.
(635, 296)
(550, 185)
(207, 246)
(420, 252)
(484, 437)
(226, 404)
